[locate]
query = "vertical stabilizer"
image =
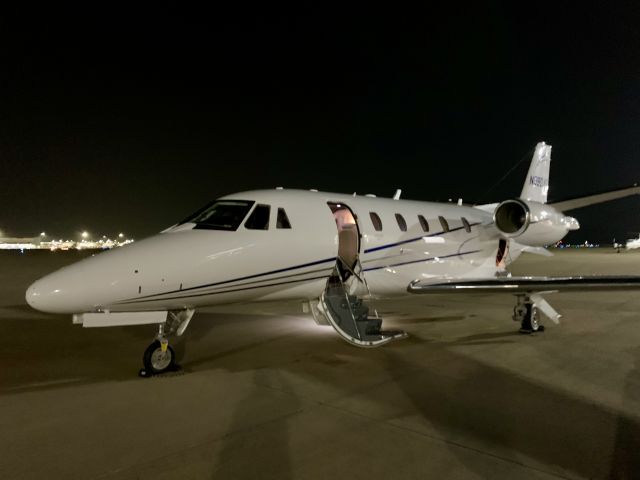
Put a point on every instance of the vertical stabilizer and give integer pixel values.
(536, 185)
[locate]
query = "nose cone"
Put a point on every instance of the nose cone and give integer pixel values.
(32, 295)
(52, 294)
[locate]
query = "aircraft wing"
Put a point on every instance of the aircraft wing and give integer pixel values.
(528, 284)
(585, 201)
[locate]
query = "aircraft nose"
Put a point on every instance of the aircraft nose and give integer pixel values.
(32, 295)
(39, 295)
(50, 295)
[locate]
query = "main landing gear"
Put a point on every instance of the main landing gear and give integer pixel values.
(159, 357)
(528, 308)
(526, 312)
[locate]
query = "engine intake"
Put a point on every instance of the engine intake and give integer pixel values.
(512, 217)
(532, 223)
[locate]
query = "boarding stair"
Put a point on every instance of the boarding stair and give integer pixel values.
(345, 306)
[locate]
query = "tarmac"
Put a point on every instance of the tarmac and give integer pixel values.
(265, 393)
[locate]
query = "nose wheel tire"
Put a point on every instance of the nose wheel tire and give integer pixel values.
(157, 361)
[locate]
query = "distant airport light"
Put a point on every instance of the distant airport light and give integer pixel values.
(85, 234)
(121, 235)
(42, 234)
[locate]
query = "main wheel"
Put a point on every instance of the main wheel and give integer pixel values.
(530, 322)
(533, 318)
(156, 361)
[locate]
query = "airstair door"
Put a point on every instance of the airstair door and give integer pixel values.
(345, 301)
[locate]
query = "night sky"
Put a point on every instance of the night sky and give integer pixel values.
(122, 120)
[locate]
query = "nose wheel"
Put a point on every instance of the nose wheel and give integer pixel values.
(159, 357)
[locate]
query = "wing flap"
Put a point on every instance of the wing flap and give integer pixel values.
(528, 284)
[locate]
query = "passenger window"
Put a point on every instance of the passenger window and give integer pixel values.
(401, 222)
(375, 220)
(282, 220)
(467, 227)
(444, 223)
(259, 218)
(423, 223)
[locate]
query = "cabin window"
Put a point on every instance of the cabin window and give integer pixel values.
(220, 215)
(423, 223)
(282, 219)
(401, 222)
(466, 225)
(444, 224)
(375, 220)
(259, 218)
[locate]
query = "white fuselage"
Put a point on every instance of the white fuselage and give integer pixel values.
(186, 267)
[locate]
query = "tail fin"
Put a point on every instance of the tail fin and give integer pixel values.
(536, 186)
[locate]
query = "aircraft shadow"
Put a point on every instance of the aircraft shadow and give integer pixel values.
(488, 407)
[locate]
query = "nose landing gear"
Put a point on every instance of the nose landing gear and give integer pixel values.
(159, 357)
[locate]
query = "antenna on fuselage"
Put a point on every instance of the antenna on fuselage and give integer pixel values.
(396, 196)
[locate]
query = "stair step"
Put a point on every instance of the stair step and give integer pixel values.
(349, 315)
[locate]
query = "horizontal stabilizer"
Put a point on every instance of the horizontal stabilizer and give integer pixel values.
(595, 198)
(528, 284)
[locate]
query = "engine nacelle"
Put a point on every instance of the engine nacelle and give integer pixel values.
(532, 223)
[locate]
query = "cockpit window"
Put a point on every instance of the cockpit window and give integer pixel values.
(259, 218)
(282, 220)
(221, 215)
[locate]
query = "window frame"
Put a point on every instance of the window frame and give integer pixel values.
(376, 221)
(402, 223)
(203, 225)
(255, 209)
(466, 224)
(281, 212)
(444, 224)
(423, 223)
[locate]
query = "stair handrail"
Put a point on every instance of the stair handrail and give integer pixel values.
(361, 278)
(346, 296)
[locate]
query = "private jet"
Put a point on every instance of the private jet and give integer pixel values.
(633, 243)
(334, 253)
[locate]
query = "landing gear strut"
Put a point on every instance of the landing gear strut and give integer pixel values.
(159, 357)
(526, 313)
